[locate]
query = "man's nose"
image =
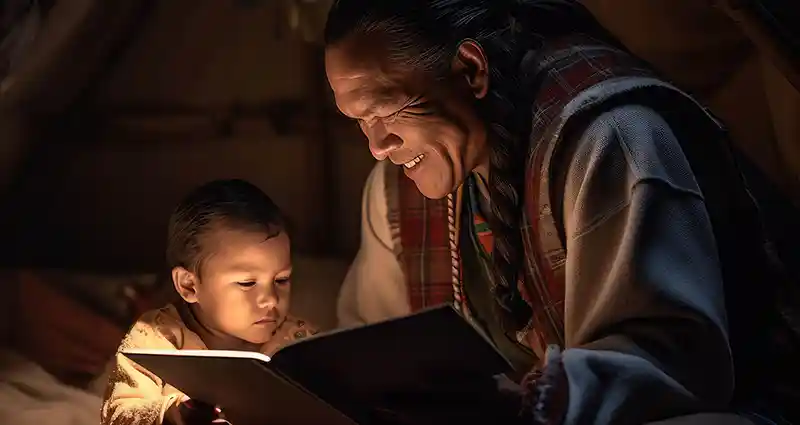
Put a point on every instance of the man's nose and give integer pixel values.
(381, 142)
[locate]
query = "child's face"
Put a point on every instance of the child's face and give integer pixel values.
(244, 283)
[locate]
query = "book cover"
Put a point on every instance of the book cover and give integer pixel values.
(376, 373)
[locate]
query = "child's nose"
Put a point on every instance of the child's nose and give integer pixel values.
(267, 299)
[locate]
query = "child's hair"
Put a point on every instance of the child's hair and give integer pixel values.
(230, 203)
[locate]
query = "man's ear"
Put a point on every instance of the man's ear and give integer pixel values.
(185, 283)
(470, 62)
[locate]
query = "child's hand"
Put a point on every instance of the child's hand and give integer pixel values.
(193, 412)
(291, 329)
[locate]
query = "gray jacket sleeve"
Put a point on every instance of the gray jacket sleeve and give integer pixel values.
(645, 319)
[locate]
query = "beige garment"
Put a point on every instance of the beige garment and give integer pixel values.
(374, 288)
(134, 395)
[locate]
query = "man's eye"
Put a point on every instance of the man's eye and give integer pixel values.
(247, 284)
(418, 109)
(392, 118)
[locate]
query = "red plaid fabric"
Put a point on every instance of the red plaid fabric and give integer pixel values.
(425, 241)
(569, 66)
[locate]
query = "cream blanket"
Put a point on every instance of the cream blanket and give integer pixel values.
(31, 396)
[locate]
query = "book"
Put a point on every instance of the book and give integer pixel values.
(372, 374)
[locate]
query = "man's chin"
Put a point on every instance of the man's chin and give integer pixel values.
(432, 182)
(433, 192)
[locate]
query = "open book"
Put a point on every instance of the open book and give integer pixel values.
(374, 374)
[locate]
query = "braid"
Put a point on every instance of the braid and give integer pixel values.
(509, 127)
(508, 110)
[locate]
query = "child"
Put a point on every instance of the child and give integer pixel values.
(230, 260)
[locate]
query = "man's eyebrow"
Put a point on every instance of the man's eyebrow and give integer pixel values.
(380, 99)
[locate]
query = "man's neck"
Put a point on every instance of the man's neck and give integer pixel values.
(483, 170)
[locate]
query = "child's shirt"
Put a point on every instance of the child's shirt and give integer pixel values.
(134, 396)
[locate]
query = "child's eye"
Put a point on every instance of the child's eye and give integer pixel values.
(283, 281)
(247, 284)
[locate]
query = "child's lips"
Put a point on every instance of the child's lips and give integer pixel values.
(265, 320)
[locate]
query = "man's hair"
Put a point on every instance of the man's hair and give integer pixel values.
(221, 203)
(424, 35)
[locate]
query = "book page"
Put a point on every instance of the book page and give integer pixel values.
(253, 355)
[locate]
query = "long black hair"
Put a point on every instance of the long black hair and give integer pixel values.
(424, 35)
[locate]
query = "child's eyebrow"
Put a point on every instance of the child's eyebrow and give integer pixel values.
(242, 268)
(250, 269)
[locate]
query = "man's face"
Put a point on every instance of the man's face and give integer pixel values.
(430, 128)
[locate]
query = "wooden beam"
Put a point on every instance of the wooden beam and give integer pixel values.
(283, 117)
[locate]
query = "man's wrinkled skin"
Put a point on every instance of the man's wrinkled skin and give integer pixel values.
(408, 114)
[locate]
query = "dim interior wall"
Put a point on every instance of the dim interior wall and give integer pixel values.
(15, 144)
(784, 104)
(62, 57)
(68, 51)
(107, 206)
(210, 53)
(697, 46)
(353, 163)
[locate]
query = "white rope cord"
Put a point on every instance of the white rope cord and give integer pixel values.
(455, 260)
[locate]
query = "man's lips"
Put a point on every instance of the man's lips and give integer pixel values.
(412, 162)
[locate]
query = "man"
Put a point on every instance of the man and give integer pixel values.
(560, 195)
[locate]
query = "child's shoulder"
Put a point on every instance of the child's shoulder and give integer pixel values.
(159, 329)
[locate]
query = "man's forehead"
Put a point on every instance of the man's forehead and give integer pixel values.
(360, 93)
(362, 81)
